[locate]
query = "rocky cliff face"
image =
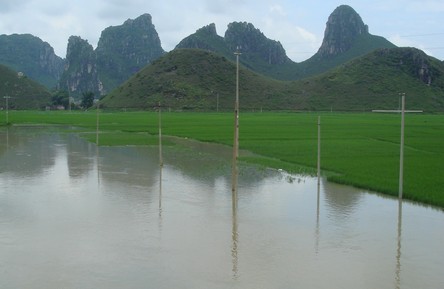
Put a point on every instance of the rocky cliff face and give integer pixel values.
(123, 50)
(32, 56)
(80, 74)
(416, 63)
(259, 53)
(205, 38)
(346, 37)
(252, 42)
(344, 26)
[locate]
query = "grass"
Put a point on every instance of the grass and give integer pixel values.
(357, 149)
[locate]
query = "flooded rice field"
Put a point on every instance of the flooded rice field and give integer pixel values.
(73, 215)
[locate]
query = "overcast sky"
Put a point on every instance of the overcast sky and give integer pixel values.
(298, 25)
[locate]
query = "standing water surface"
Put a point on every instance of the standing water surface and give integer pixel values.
(76, 216)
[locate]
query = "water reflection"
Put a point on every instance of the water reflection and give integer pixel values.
(160, 190)
(119, 220)
(81, 156)
(98, 165)
(235, 237)
(29, 152)
(135, 166)
(341, 200)
(398, 248)
(318, 209)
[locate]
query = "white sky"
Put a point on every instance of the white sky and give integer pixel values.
(298, 25)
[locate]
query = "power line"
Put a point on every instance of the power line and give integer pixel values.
(420, 35)
(433, 48)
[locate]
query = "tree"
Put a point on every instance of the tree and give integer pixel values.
(60, 97)
(87, 100)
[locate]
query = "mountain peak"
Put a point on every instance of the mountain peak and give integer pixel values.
(125, 49)
(144, 20)
(210, 29)
(254, 44)
(343, 27)
(205, 38)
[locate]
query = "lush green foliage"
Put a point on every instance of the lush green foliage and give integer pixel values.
(357, 149)
(125, 49)
(363, 45)
(30, 55)
(87, 100)
(23, 92)
(60, 98)
(192, 79)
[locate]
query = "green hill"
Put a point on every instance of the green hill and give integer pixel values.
(193, 79)
(375, 81)
(196, 79)
(346, 37)
(24, 93)
(32, 56)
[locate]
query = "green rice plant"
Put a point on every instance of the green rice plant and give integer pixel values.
(359, 149)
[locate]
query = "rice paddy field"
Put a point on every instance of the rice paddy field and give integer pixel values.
(358, 149)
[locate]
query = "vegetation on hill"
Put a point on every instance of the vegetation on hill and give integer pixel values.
(30, 55)
(24, 92)
(352, 70)
(80, 74)
(125, 49)
(318, 63)
(196, 79)
(346, 37)
(376, 80)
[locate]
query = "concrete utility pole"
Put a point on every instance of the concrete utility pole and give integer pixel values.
(97, 123)
(401, 154)
(160, 136)
(236, 107)
(7, 97)
(236, 125)
(319, 150)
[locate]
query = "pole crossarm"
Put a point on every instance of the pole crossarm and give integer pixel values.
(396, 111)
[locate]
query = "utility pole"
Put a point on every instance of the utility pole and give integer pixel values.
(69, 101)
(401, 154)
(236, 126)
(160, 136)
(319, 151)
(236, 107)
(7, 97)
(97, 123)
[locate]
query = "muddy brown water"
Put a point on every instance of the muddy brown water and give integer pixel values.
(76, 216)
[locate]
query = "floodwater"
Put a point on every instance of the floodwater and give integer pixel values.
(76, 216)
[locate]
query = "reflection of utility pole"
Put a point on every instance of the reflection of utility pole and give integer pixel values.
(7, 107)
(398, 249)
(235, 240)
